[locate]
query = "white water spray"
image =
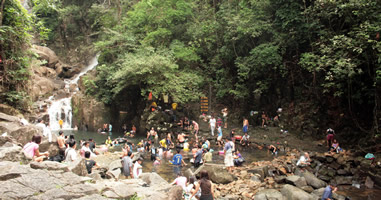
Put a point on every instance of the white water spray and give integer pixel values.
(61, 109)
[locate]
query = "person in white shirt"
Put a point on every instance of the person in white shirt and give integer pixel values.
(138, 169)
(45, 130)
(86, 147)
(303, 161)
(70, 153)
(212, 124)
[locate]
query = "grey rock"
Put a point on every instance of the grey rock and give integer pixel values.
(12, 152)
(219, 175)
(269, 194)
(369, 183)
(294, 193)
(307, 188)
(296, 180)
(313, 181)
(175, 193)
(262, 170)
(116, 164)
(114, 173)
(78, 167)
(256, 178)
(342, 172)
(343, 180)
(93, 197)
(49, 165)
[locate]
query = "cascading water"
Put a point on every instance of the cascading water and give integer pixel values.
(61, 109)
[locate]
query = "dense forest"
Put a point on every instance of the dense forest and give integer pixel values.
(320, 59)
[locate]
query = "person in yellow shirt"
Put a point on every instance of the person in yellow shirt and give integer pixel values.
(60, 122)
(163, 143)
(108, 141)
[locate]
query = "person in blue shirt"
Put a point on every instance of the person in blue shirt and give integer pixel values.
(177, 161)
(327, 195)
(219, 138)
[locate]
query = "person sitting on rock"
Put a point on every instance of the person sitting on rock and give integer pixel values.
(208, 157)
(108, 142)
(180, 181)
(304, 161)
(191, 187)
(335, 147)
(70, 153)
(238, 159)
(90, 164)
(245, 140)
(31, 149)
(85, 148)
(327, 194)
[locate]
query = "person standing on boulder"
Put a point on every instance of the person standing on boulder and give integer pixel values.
(327, 195)
(138, 169)
(127, 164)
(228, 153)
(212, 124)
(70, 153)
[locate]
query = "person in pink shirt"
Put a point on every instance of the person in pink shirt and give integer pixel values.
(180, 180)
(31, 149)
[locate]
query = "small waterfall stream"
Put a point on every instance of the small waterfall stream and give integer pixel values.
(61, 108)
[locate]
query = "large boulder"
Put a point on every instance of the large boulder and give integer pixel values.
(12, 152)
(47, 54)
(218, 175)
(115, 173)
(269, 194)
(297, 181)
(261, 170)
(313, 181)
(78, 167)
(294, 193)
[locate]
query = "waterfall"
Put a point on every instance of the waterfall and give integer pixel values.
(25, 4)
(61, 108)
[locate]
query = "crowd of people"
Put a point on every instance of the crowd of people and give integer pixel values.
(172, 146)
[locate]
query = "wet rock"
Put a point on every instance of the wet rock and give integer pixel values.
(369, 183)
(280, 179)
(261, 170)
(331, 172)
(49, 165)
(334, 165)
(324, 178)
(313, 181)
(296, 180)
(376, 178)
(342, 172)
(256, 178)
(343, 180)
(307, 188)
(294, 193)
(268, 194)
(175, 193)
(330, 159)
(78, 167)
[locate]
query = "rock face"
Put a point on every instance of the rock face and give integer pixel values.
(22, 182)
(88, 113)
(49, 165)
(294, 193)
